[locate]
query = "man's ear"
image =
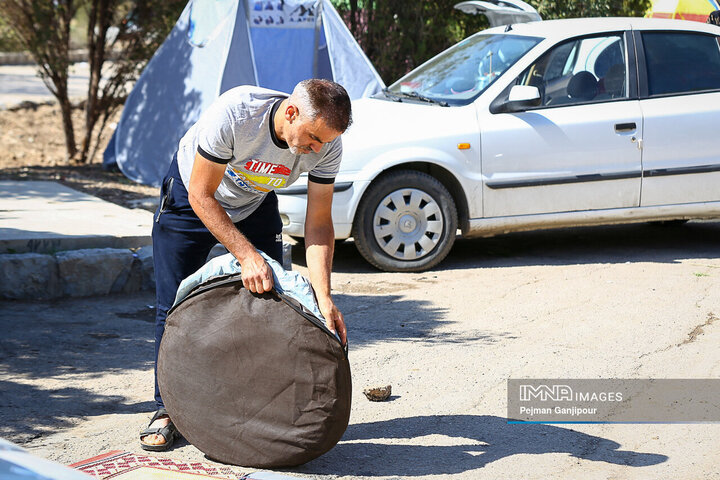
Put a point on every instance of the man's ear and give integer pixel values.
(291, 112)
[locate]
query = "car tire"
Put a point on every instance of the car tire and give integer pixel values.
(405, 222)
(669, 223)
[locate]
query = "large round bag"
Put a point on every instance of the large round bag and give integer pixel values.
(253, 380)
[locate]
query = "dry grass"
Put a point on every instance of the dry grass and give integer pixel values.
(33, 146)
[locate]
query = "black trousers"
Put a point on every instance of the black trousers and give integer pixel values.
(181, 243)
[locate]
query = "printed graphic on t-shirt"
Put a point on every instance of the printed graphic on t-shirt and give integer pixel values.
(240, 180)
(258, 175)
(257, 166)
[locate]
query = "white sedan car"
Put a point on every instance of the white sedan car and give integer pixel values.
(536, 125)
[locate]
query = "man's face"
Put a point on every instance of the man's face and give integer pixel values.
(304, 135)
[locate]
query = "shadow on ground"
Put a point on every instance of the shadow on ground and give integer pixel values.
(29, 412)
(383, 318)
(49, 350)
(642, 242)
(395, 447)
(66, 342)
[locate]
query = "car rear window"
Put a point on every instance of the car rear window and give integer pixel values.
(681, 62)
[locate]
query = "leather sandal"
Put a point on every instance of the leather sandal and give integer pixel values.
(168, 432)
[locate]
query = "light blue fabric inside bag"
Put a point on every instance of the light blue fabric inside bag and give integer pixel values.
(285, 282)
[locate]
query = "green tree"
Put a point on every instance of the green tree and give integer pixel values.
(398, 35)
(8, 41)
(129, 31)
(138, 29)
(43, 29)
(551, 9)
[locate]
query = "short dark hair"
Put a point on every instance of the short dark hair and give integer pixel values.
(326, 99)
(714, 18)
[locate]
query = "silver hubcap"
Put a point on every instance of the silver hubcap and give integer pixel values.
(408, 224)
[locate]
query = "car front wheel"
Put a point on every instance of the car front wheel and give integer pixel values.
(406, 222)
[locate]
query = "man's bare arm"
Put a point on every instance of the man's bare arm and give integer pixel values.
(319, 246)
(204, 181)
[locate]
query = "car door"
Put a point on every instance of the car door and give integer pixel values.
(577, 150)
(680, 102)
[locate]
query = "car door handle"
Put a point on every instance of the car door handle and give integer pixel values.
(625, 127)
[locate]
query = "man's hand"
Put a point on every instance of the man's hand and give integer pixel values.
(333, 318)
(319, 244)
(204, 181)
(256, 274)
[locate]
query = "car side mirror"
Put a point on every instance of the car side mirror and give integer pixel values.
(521, 97)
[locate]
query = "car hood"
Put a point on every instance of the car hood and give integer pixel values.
(380, 126)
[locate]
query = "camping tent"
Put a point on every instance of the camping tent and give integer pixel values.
(217, 45)
(697, 10)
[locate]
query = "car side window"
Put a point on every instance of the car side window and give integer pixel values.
(681, 62)
(582, 70)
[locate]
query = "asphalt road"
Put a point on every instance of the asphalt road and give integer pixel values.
(636, 301)
(19, 83)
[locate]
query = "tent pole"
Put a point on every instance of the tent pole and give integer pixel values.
(318, 22)
(246, 7)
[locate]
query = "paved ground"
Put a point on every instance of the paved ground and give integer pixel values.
(47, 217)
(19, 83)
(627, 301)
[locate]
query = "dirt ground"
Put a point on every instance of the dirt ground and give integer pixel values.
(33, 143)
(635, 301)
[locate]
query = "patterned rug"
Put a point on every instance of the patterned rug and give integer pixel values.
(129, 466)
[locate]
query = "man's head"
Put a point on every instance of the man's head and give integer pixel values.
(317, 112)
(714, 18)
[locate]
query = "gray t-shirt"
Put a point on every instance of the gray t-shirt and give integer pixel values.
(238, 130)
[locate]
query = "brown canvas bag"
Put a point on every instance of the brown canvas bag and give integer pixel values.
(253, 380)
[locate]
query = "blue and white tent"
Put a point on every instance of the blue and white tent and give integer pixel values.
(217, 45)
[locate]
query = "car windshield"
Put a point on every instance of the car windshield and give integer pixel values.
(461, 73)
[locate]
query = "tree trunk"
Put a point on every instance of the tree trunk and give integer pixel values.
(66, 110)
(60, 75)
(98, 23)
(353, 17)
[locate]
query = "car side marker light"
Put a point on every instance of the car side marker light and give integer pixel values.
(463, 146)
